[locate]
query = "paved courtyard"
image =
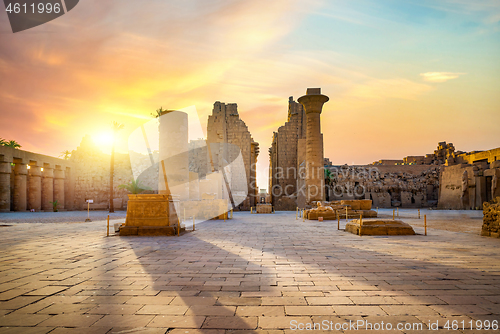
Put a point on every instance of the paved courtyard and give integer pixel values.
(253, 274)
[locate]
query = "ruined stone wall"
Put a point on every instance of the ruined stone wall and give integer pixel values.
(467, 187)
(451, 188)
(284, 158)
(444, 154)
(411, 186)
(491, 219)
(225, 126)
(489, 156)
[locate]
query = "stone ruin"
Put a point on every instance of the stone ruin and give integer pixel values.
(379, 227)
(358, 209)
(491, 219)
(296, 177)
(469, 185)
(341, 210)
(387, 186)
(263, 208)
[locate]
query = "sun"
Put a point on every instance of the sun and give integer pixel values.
(103, 140)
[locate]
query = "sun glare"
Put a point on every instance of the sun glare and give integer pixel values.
(103, 139)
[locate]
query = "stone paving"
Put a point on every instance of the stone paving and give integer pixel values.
(253, 274)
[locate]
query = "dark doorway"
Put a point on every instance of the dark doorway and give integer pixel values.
(489, 181)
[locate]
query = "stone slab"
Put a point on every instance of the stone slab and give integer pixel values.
(379, 227)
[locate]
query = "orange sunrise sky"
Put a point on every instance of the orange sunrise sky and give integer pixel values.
(401, 75)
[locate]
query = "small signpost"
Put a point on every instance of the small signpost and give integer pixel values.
(89, 201)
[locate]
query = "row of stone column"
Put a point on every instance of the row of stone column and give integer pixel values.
(32, 188)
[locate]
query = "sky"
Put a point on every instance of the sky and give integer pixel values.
(401, 75)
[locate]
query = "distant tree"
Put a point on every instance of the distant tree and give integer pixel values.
(133, 187)
(65, 154)
(328, 175)
(328, 182)
(10, 143)
(54, 205)
(116, 127)
(158, 112)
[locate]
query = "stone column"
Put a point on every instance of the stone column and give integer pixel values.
(174, 155)
(253, 187)
(59, 188)
(47, 189)
(35, 188)
(69, 190)
(20, 178)
(5, 171)
(313, 103)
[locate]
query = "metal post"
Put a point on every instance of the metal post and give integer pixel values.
(425, 224)
(88, 212)
(303, 215)
(178, 226)
(397, 209)
(193, 222)
(251, 209)
(108, 227)
(225, 215)
(231, 213)
(360, 223)
(418, 213)
(393, 213)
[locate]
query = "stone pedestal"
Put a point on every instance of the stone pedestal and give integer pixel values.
(47, 189)
(5, 170)
(379, 227)
(59, 188)
(313, 104)
(35, 188)
(150, 214)
(263, 208)
(20, 186)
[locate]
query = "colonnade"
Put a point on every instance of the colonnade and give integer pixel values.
(30, 181)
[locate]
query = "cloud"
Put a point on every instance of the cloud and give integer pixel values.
(489, 8)
(440, 76)
(397, 88)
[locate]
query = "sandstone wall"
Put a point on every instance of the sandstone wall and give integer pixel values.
(450, 191)
(479, 187)
(489, 156)
(225, 127)
(92, 175)
(410, 186)
(491, 219)
(284, 158)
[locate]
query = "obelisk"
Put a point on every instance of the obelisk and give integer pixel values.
(313, 104)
